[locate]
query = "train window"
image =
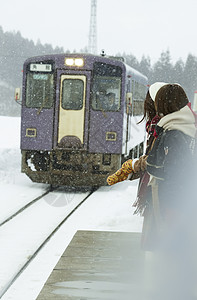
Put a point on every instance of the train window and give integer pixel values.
(138, 99)
(72, 94)
(138, 95)
(39, 91)
(139, 91)
(138, 107)
(142, 91)
(106, 93)
(132, 86)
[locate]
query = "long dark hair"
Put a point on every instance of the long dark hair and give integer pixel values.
(170, 98)
(149, 108)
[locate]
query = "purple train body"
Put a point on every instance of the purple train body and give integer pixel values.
(79, 118)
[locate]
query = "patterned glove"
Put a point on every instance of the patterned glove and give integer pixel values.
(127, 167)
(140, 164)
(116, 177)
(121, 174)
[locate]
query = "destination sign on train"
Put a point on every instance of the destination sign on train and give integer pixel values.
(41, 67)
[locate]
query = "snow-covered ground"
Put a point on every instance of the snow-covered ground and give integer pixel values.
(110, 208)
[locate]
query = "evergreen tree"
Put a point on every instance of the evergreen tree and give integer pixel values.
(190, 76)
(178, 72)
(145, 66)
(131, 60)
(162, 69)
(14, 50)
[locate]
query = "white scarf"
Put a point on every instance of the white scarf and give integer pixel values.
(182, 120)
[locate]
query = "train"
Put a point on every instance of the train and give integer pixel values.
(79, 118)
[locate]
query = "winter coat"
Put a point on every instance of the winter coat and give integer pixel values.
(170, 164)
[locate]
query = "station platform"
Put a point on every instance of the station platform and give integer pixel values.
(98, 265)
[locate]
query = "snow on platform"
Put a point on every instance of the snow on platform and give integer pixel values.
(98, 265)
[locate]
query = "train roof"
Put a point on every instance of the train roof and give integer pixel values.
(136, 74)
(129, 70)
(119, 60)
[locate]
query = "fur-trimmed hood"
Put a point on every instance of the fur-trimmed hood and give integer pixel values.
(182, 120)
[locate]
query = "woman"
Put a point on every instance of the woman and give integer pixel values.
(171, 167)
(171, 156)
(133, 169)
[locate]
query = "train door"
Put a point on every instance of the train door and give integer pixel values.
(72, 110)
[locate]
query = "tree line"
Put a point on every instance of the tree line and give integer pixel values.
(184, 73)
(14, 50)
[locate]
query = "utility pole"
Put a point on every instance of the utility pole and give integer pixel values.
(92, 42)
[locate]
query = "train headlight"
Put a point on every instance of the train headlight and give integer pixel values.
(77, 62)
(69, 61)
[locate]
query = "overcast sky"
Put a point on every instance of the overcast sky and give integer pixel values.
(133, 26)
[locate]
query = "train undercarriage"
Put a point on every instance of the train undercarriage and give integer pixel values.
(69, 168)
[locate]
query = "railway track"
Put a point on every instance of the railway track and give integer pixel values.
(7, 219)
(9, 282)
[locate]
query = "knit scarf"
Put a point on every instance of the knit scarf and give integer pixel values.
(182, 120)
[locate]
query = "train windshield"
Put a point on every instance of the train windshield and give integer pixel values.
(106, 88)
(106, 93)
(72, 94)
(40, 89)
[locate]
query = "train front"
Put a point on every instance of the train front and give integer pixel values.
(72, 119)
